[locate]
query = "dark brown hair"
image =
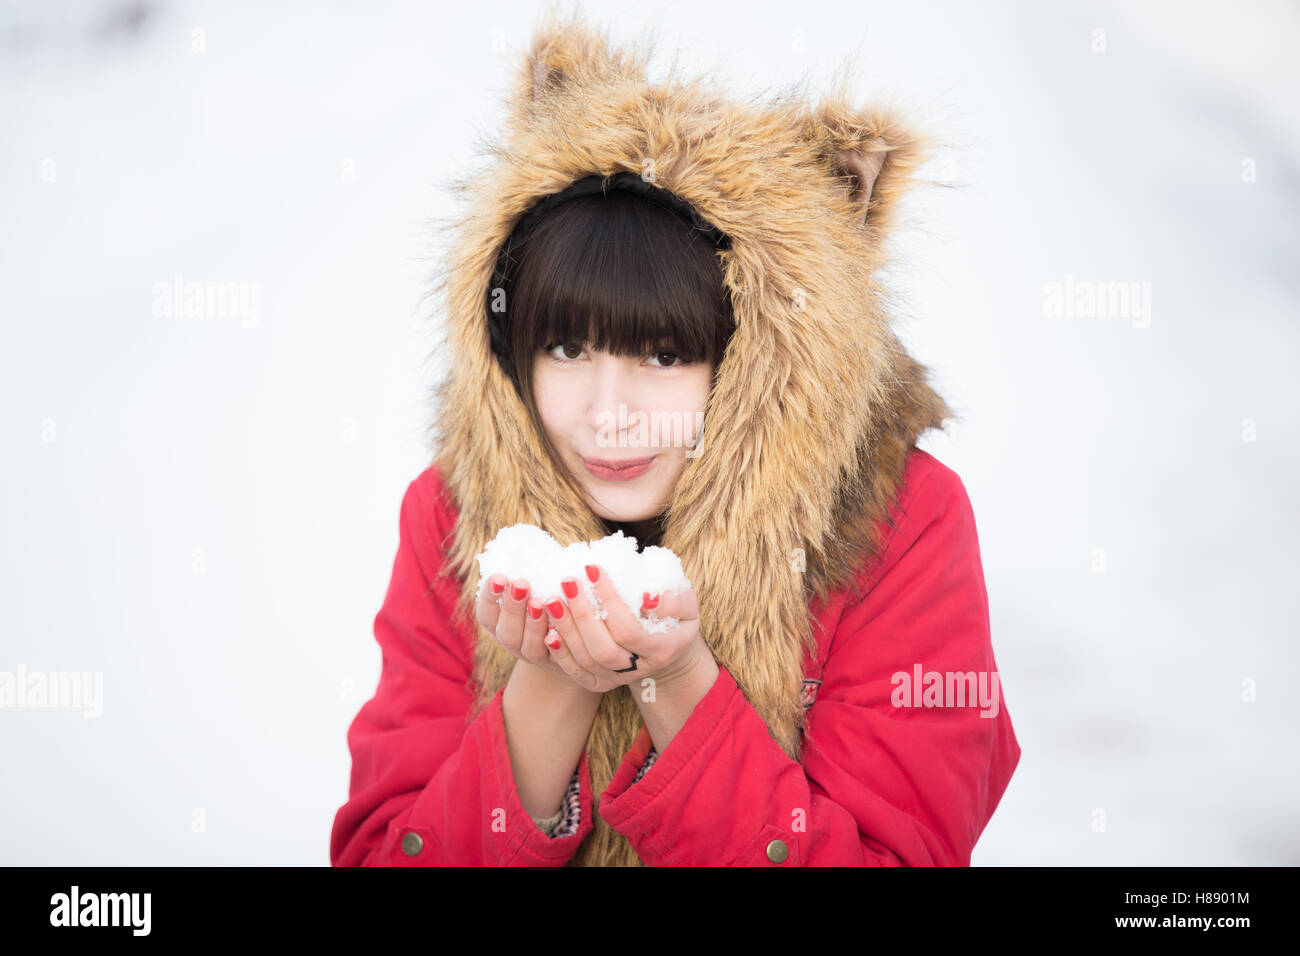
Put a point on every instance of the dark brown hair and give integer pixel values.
(616, 273)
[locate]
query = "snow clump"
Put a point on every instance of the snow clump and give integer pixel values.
(526, 551)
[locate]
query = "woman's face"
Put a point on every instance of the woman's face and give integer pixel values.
(598, 407)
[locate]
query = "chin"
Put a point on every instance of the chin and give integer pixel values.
(626, 515)
(623, 505)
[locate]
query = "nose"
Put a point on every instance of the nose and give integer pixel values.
(612, 390)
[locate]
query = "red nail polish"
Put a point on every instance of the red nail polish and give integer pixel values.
(497, 587)
(593, 572)
(650, 602)
(534, 612)
(519, 593)
(570, 588)
(556, 608)
(554, 645)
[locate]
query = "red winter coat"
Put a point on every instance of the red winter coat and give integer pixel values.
(880, 784)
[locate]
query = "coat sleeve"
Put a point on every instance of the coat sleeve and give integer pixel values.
(882, 782)
(429, 786)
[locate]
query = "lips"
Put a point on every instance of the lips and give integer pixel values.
(624, 470)
(624, 463)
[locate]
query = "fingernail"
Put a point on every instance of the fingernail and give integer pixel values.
(534, 612)
(649, 601)
(556, 608)
(519, 593)
(593, 572)
(497, 587)
(553, 640)
(570, 587)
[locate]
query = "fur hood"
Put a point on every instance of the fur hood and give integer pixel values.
(815, 405)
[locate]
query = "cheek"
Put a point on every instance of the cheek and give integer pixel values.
(691, 393)
(554, 403)
(687, 392)
(703, 386)
(682, 401)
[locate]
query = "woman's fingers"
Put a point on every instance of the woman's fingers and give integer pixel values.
(687, 605)
(569, 621)
(533, 648)
(682, 605)
(488, 607)
(594, 631)
(678, 604)
(622, 628)
(510, 626)
(557, 648)
(594, 651)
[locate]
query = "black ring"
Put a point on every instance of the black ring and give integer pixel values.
(635, 658)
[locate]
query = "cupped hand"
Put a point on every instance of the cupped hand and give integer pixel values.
(518, 622)
(601, 654)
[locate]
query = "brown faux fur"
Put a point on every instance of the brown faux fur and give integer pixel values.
(816, 404)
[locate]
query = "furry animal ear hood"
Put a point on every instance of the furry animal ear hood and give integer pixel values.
(815, 405)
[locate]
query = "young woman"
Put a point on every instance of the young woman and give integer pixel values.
(664, 318)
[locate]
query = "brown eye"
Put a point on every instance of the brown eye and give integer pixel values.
(565, 348)
(668, 357)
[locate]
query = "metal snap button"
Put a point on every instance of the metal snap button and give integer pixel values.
(777, 851)
(412, 844)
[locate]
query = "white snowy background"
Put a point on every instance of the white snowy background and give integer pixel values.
(205, 510)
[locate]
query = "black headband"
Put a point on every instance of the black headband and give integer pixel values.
(587, 186)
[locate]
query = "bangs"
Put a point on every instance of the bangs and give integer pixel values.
(619, 274)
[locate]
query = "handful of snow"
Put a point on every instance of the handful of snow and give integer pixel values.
(527, 551)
